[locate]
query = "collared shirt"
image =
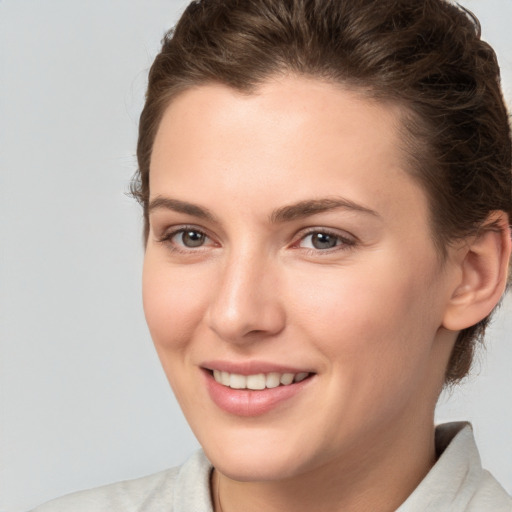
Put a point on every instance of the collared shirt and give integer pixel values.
(456, 483)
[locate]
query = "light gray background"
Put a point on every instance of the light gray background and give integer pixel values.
(83, 400)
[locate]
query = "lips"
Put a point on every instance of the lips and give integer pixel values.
(253, 389)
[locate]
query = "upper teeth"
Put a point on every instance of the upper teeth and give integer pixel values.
(257, 381)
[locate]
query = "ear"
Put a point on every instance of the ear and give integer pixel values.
(483, 268)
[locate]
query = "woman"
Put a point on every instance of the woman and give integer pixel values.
(327, 196)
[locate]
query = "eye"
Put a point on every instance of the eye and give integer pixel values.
(321, 240)
(189, 238)
(185, 239)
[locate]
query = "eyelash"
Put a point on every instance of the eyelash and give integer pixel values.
(345, 242)
(167, 237)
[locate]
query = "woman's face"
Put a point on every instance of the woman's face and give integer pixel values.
(287, 241)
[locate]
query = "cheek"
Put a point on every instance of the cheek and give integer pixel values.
(173, 303)
(377, 345)
(371, 322)
(173, 306)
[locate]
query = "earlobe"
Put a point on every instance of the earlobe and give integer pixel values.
(483, 274)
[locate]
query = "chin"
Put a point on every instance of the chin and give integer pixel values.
(258, 457)
(249, 467)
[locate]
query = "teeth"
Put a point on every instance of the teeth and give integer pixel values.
(272, 380)
(287, 378)
(257, 381)
(224, 378)
(237, 381)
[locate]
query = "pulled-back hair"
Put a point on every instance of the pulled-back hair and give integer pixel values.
(424, 55)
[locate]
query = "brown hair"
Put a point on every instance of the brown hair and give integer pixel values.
(425, 55)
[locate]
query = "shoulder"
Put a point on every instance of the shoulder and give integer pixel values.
(176, 489)
(457, 482)
(478, 490)
(128, 495)
(489, 495)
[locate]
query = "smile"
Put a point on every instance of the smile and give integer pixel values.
(257, 381)
(254, 388)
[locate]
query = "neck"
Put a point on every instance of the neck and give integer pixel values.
(384, 474)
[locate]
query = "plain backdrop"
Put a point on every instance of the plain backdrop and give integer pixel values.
(83, 400)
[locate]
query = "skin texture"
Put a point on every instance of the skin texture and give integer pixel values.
(365, 316)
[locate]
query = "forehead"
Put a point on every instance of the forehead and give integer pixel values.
(293, 136)
(286, 103)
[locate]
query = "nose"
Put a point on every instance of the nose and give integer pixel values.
(246, 305)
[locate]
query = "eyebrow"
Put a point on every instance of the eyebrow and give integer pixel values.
(176, 205)
(287, 213)
(313, 206)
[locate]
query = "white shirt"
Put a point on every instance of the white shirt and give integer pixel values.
(456, 483)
